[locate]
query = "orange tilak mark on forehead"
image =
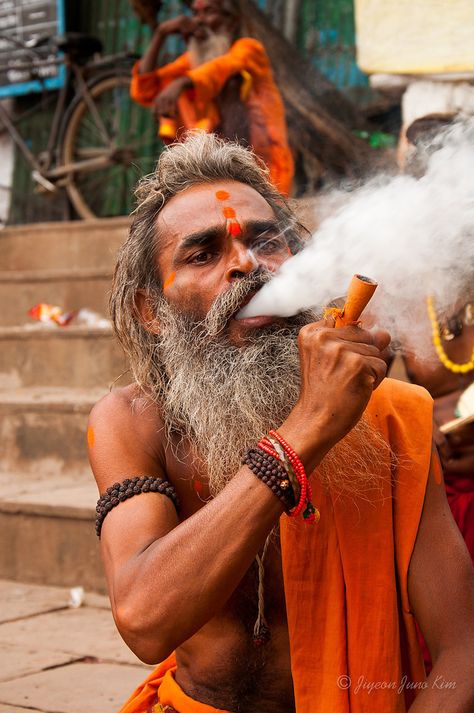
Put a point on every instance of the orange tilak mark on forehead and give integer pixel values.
(90, 437)
(229, 212)
(222, 195)
(169, 280)
(234, 228)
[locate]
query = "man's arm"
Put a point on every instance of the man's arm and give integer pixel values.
(148, 81)
(441, 593)
(246, 54)
(182, 25)
(168, 578)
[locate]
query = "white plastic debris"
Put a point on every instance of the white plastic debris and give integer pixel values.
(76, 597)
(91, 319)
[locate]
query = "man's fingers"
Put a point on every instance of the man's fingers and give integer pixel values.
(378, 370)
(380, 338)
(367, 350)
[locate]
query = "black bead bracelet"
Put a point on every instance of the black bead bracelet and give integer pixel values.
(271, 472)
(119, 492)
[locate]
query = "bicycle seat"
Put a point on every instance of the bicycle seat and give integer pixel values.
(79, 46)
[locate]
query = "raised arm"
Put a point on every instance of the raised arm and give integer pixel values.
(148, 80)
(441, 593)
(246, 54)
(182, 25)
(166, 578)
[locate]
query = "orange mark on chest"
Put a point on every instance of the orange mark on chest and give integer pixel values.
(229, 212)
(198, 487)
(169, 280)
(90, 437)
(222, 195)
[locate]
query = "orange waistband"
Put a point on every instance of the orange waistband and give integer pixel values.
(170, 694)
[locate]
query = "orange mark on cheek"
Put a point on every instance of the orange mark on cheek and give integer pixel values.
(90, 437)
(229, 212)
(222, 195)
(169, 280)
(234, 228)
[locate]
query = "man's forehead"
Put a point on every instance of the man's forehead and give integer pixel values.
(204, 4)
(207, 205)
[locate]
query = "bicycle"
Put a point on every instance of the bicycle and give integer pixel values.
(100, 141)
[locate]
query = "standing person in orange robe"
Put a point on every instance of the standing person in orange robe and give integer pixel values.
(246, 602)
(223, 83)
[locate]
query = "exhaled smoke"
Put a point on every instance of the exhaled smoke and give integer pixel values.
(414, 236)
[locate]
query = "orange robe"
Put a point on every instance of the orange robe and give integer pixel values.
(247, 56)
(346, 581)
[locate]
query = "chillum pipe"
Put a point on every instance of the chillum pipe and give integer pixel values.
(360, 291)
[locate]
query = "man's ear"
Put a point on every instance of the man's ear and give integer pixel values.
(145, 311)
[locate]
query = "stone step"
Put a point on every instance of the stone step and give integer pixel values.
(69, 289)
(43, 432)
(48, 535)
(76, 244)
(56, 657)
(73, 356)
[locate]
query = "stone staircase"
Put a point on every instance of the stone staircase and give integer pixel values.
(49, 379)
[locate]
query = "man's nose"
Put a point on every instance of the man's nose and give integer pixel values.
(241, 262)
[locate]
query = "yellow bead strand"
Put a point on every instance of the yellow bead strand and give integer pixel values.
(442, 356)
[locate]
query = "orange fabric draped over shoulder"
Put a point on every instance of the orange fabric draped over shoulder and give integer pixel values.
(268, 134)
(352, 634)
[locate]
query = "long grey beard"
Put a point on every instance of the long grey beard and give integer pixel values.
(221, 399)
(215, 45)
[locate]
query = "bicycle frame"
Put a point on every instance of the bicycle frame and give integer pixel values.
(39, 172)
(44, 174)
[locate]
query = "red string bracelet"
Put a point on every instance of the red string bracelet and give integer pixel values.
(310, 513)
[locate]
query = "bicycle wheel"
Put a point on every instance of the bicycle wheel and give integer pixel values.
(117, 129)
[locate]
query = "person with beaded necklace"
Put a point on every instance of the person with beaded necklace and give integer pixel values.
(446, 376)
(271, 514)
(450, 370)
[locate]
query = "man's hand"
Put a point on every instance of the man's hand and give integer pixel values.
(182, 25)
(340, 368)
(166, 101)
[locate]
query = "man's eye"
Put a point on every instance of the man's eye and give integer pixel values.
(269, 244)
(200, 258)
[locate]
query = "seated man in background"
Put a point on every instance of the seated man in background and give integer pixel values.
(223, 83)
(217, 563)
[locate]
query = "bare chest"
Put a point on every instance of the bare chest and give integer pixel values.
(221, 665)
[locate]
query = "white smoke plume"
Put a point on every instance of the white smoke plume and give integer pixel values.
(415, 237)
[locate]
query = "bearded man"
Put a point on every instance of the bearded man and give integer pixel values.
(248, 607)
(223, 83)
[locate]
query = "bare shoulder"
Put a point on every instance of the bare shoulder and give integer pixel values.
(125, 437)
